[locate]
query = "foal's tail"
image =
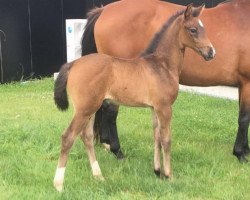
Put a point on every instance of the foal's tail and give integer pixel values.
(60, 93)
(88, 39)
(88, 47)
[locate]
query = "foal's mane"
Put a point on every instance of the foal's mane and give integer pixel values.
(158, 36)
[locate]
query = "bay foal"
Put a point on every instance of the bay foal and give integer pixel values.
(152, 80)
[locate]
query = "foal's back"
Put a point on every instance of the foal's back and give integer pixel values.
(132, 82)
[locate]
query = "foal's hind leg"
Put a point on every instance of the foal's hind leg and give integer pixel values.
(157, 145)
(87, 137)
(68, 139)
(241, 147)
(164, 115)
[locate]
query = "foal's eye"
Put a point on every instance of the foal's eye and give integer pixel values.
(193, 30)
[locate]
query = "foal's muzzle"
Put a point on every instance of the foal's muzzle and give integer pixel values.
(208, 53)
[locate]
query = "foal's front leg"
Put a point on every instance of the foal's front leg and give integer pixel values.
(164, 115)
(157, 145)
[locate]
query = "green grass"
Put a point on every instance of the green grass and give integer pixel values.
(203, 131)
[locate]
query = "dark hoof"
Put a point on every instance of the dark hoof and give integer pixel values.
(119, 155)
(242, 155)
(157, 172)
(161, 175)
(246, 151)
(164, 177)
(242, 159)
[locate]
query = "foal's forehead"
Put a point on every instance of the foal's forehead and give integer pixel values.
(196, 22)
(200, 23)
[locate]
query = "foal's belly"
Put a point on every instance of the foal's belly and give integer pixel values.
(129, 96)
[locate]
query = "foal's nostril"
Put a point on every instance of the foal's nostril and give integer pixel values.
(211, 53)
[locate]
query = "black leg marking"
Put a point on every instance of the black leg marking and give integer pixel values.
(109, 131)
(105, 130)
(241, 147)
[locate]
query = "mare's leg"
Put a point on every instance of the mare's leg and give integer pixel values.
(68, 138)
(157, 145)
(109, 129)
(104, 128)
(241, 147)
(164, 115)
(87, 137)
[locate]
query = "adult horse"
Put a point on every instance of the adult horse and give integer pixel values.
(125, 28)
(94, 78)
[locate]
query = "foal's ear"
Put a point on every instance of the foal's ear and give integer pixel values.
(188, 11)
(197, 11)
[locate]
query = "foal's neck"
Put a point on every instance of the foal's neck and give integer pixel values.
(170, 51)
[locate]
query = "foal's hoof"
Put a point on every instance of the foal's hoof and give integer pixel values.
(58, 186)
(162, 176)
(99, 178)
(167, 177)
(157, 172)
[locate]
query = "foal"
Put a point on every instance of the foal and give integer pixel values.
(149, 81)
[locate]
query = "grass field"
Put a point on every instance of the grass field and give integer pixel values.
(203, 131)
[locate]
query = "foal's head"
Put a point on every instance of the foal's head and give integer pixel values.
(193, 34)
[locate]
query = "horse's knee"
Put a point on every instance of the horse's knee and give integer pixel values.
(166, 143)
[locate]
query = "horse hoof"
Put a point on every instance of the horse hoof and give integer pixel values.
(58, 179)
(157, 172)
(119, 155)
(99, 178)
(241, 155)
(242, 159)
(162, 176)
(167, 177)
(246, 151)
(58, 186)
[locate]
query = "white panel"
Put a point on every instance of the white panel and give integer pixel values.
(74, 31)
